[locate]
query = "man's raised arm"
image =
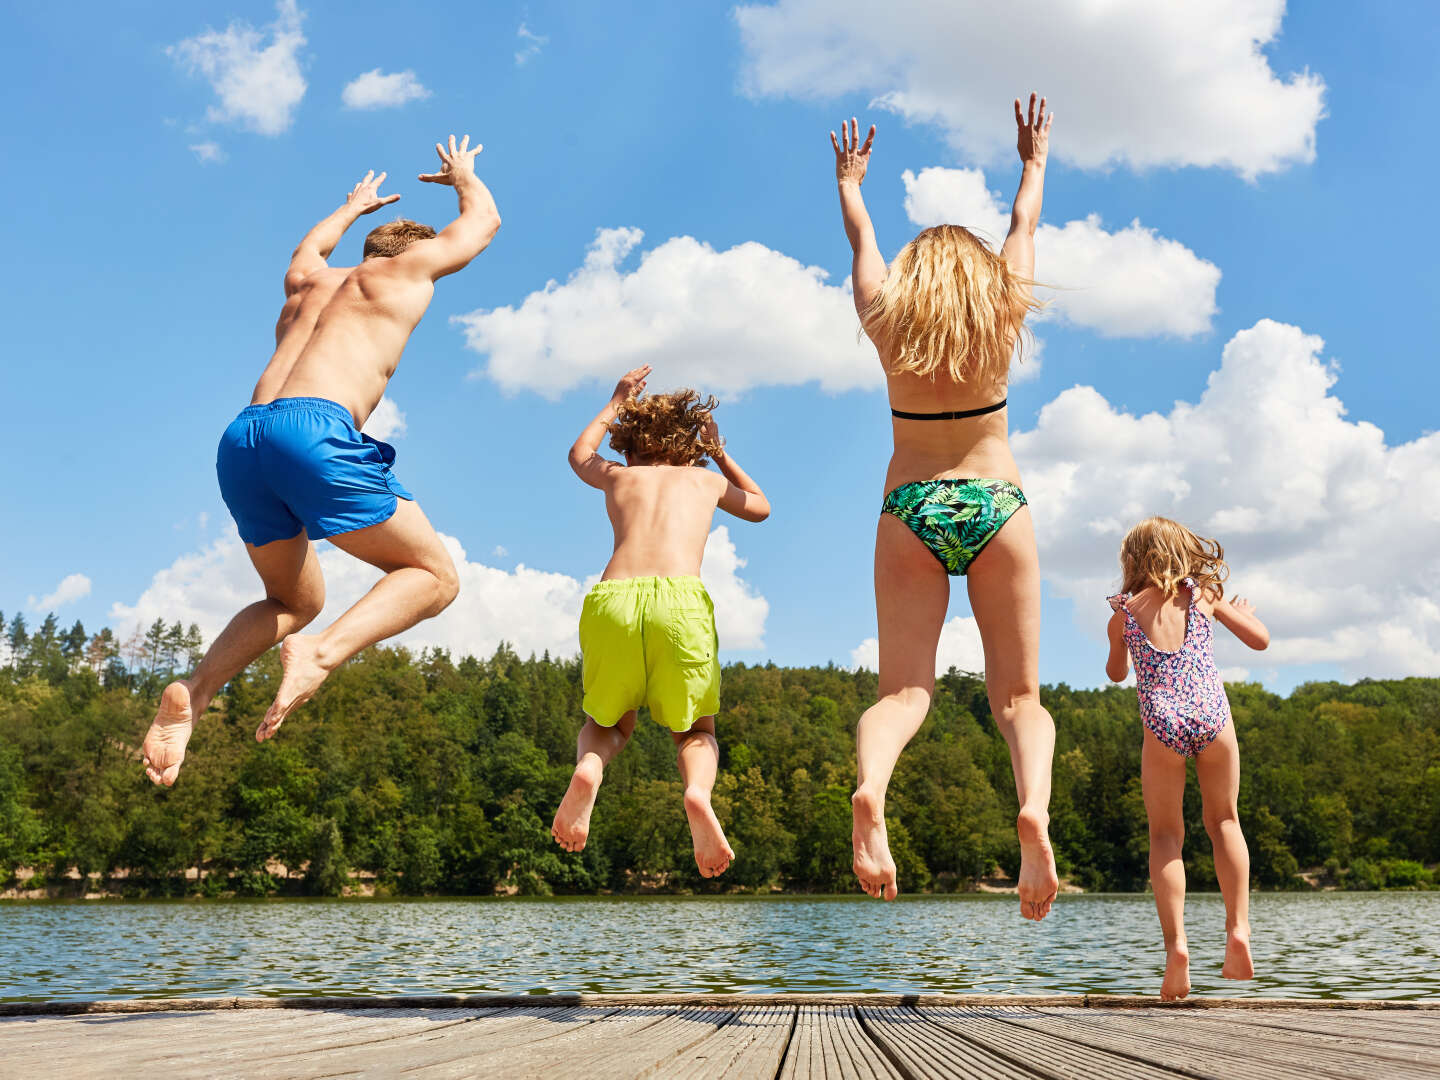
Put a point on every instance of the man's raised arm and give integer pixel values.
(310, 255)
(470, 233)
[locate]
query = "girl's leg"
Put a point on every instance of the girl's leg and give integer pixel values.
(1004, 585)
(1162, 781)
(1217, 767)
(595, 748)
(697, 753)
(912, 591)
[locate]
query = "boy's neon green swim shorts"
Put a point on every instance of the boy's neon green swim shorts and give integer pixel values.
(650, 641)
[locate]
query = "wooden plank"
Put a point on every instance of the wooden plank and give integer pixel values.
(751, 1044)
(829, 1044)
(1383, 1027)
(927, 1051)
(1350, 1041)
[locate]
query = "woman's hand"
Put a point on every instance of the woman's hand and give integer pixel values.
(1033, 137)
(852, 159)
(630, 384)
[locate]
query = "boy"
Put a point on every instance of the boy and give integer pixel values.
(647, 631)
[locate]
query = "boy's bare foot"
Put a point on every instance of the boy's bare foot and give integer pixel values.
(1238, 964)
(712, 853)
(1038, 881)
(1176, 983)
(164, 747)
(571, 827)
(303, 674)
(873, 865)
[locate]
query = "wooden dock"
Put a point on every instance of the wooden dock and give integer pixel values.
(688, 1037)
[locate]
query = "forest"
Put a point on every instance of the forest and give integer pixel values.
(423, 774)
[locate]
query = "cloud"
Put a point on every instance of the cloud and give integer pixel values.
(726, 320)
(1130, 283)
(1322, 521)
(73, 587)
(387, 421)
(959, 647)
(259, 85)
(534, 610)
(1132, 81)
(373, 90)
(208, 153)
(531, 44)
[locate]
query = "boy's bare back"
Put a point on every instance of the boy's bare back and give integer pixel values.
(661, 515)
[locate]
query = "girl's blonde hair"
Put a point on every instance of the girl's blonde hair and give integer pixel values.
(665, 429)
(949, 302)
(1162, 553)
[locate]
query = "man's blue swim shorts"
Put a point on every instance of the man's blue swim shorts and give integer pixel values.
(300, 463)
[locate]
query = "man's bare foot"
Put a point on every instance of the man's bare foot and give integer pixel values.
(303, 674)
(712, 853)
(164, 747)
(873, 865)
(1238, 964)
(1176, 983)
(1038, 881)
(571, 827)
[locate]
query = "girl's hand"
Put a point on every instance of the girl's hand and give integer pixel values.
(1033, 137)
(852, 159)
(630, 384)
(1243, 606)
(711, 431)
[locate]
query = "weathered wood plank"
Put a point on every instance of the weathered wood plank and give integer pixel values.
(1383, 1027)
(927, 1050)
(1348, 1041)
(751, 1044)
(829, 1044)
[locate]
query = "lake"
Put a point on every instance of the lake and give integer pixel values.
(1371, 945)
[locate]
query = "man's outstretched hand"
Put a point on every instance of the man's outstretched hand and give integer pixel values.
(457, 160)
(365, 196)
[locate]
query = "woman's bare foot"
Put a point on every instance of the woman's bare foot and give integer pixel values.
(571, 827)
(1038, 881)
(712, 853)
(873, 865)
(1238, 964)
(164, 747)
(303, 674)
(1176, 983)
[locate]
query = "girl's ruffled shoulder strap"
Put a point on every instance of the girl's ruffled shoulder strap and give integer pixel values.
(1189, 583)
(1117, 602)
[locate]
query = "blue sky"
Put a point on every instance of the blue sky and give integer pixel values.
(144, 283)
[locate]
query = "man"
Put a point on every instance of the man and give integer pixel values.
(294, 467)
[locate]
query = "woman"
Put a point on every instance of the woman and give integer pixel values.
(945, 319)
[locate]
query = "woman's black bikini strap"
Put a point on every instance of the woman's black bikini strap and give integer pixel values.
(949, 415)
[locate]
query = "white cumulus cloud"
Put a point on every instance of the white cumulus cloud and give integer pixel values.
(255, 73)
(1130, 283)
(374, 90)
(1132, 81)
(723, 320)
(387, 421)
(959, 647)
(71, 588)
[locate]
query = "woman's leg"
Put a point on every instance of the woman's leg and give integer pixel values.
(1162, 781)
(1004, 585)
(912, 591)
(697, 753)
(1217, 767)
(595, 748)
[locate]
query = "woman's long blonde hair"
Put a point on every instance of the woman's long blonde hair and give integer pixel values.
(950, 303)
(1163, 553)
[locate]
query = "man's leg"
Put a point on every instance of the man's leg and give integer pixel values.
(294, 595)
(419, 583)
(697, 753)
(595, 747)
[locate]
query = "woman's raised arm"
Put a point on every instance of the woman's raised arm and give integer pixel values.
(867, 271)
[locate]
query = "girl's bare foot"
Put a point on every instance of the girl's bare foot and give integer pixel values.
(303, 674)
(571, 827)
(712, 854)
(1039, 882)
(1176, 983)
(873, 865)
(1238, 964)
(164, 747)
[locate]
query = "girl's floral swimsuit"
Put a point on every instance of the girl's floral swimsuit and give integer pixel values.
(1182, 700)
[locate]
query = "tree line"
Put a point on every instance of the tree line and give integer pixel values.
(422, 774)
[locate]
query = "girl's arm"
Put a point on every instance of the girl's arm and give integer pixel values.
(867, 270)
(1033, 142)
(585, 458)
(1117, 664)
(1238, 616)
(742, 496)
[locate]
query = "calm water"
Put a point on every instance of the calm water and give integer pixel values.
(1381, 945)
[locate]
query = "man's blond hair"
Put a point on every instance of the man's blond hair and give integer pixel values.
(394, 237)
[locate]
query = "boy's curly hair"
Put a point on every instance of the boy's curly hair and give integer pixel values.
(665, 429)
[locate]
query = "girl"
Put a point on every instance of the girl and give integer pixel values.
(1172, 589)
(945, 317)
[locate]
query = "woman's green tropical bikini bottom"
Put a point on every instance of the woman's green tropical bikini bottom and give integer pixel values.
(955, 519)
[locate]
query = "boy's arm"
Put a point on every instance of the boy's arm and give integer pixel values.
(319, 242)
(1033, 142)
(742, 496)
(1117, 664)
(1238, 616)
(867, 269)
(470, 233)
(584, 455)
